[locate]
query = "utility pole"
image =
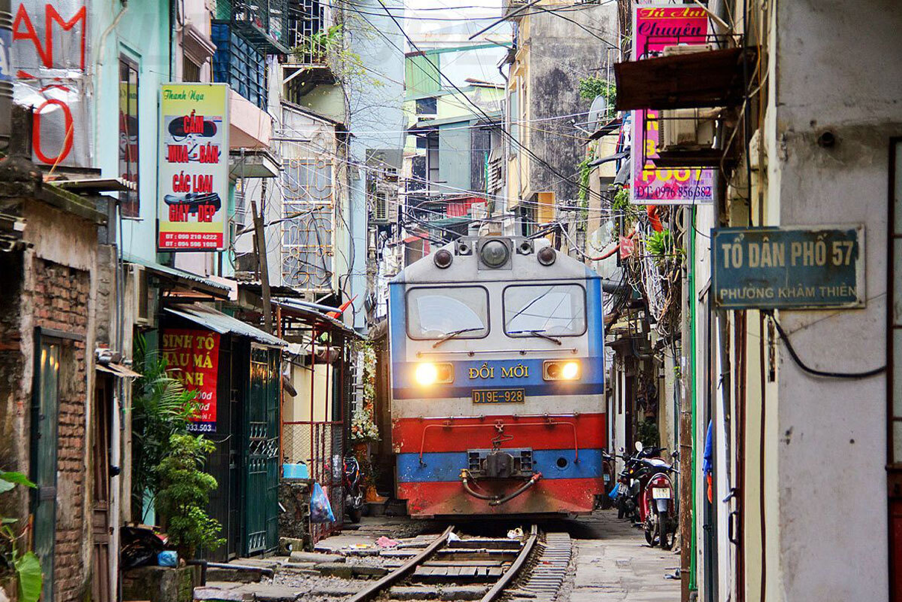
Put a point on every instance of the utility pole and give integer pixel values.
(262, 265)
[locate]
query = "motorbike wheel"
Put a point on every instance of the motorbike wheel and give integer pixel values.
(354, 514)
(666, 543)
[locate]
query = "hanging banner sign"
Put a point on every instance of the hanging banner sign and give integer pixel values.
(192, 358)
(47, 53)
(194, 167)
(806, 267)
(655, 28)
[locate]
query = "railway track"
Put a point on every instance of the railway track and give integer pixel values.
(478, 568)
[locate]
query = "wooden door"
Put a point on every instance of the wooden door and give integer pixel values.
(100, 452)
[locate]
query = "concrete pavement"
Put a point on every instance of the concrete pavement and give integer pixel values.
(614, 563)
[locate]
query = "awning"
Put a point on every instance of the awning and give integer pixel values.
(604, 160)
(223, 323)
(191, 281)
(294, 307)
(713, 78)
(608, 128)
(117, 370)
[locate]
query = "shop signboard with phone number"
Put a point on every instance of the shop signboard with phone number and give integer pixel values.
(192, 358)
(194, 167)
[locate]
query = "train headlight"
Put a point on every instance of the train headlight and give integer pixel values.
(428, 373)
(570, 370)
(494, 254)
(554, 370)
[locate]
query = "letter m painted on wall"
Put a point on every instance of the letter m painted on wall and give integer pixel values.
(72, 56)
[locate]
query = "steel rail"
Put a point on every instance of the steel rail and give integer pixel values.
(403, 571)
(509, 575)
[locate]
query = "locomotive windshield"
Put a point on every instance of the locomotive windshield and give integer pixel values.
(548, 309)
(434, 313)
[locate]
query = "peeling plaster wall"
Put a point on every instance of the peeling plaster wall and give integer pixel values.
(837, 68)
(560, 54)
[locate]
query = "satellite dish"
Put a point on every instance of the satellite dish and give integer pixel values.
(597, 112)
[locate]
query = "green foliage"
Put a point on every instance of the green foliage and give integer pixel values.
(24, 568)
(590, 87)
(584, 173)
(185, 493)
(31, 579)
(327, 46)
(621, 205)
(8, 480)
(660, 243)
(318, 45)
(647, 433)
(161, 408)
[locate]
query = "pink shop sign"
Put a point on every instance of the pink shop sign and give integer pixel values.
(657, 27)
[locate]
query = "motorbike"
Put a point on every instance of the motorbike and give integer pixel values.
(631, 483)
(354, 504)
(656, 508)
(610, 481)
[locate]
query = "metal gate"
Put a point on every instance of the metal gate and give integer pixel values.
(261, 452)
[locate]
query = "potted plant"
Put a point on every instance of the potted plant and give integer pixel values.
(21, 572)
(184, 495)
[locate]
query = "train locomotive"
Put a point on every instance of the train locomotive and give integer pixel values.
(497, 381)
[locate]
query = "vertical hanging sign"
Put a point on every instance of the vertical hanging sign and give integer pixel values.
(194, 167)
(192, 358)
(655, 28)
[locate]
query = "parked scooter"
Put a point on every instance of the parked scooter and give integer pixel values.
(631, 482)
(657, 511)
(354, 503)
(610, 480)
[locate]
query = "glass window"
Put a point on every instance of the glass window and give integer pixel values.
(434, 313)
(128, 134)
(550, 309)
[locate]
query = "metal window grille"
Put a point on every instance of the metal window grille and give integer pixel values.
(305, 18)
(381, 207)
(308, 208)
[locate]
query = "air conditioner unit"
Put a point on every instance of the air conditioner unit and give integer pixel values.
(687, 129)
(687, 49)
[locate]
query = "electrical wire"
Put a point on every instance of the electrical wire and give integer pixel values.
(813, 371)
(479, 110)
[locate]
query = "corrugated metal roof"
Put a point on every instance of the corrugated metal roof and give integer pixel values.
(223, 323)
(174, 272)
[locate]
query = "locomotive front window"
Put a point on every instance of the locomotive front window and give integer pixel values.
(548, 309)
(435, 313)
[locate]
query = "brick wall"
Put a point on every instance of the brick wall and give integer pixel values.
(60, 301)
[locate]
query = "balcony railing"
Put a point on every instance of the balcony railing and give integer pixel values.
(263, 22)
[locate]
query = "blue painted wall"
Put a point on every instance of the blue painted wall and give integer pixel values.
(141, 33)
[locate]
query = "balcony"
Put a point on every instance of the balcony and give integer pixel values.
(263, 23)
